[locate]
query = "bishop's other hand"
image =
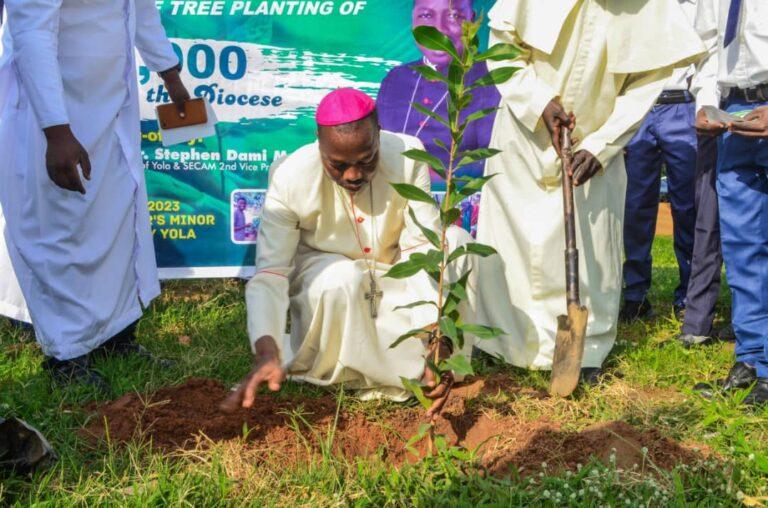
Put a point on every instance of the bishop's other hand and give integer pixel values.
(556, 119)
(266, 369)
(63, 156)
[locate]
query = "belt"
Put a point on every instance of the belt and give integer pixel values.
(757, 93)
(674, 97)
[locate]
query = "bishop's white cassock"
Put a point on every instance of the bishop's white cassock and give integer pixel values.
(85, 263)
(607, 61)
(313, 242)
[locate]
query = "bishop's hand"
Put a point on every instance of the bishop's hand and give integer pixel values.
(266, 369)
(63, 156)
(585, 166)
(176, 89)
(556, 119)
(439, 391)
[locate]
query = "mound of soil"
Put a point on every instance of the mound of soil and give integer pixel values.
(176, 417)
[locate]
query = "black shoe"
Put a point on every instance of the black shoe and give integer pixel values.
(591, 376)
(635, 310)
(689, 340)
(759, 394)
(740, 376)
(724, 333)
(679, 311)
(124, 345)
(76, 370)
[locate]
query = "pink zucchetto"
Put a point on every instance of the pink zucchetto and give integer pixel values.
(344, 105)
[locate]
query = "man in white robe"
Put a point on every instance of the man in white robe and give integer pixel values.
(606, 62)
(331, 226)
(80, 246)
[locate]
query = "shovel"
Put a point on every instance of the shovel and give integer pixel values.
(572, 328)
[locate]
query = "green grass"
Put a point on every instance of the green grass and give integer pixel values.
(650, 387)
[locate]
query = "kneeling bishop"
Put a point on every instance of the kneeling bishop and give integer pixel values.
(331, 227)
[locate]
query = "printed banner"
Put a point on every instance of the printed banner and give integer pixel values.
(263, 66)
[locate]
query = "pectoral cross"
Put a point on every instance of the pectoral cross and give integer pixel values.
(372, 296)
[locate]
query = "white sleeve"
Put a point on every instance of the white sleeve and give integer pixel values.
(34, 27)
(705, 81)
(266, 294)
(639, 94)
(151, 41)
(524, 94)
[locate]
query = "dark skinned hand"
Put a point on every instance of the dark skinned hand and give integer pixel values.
(176, 89)
(585, 166)
(63, 156)
(706, 127)
(438, 391)
(266, 369)
(755, 124)
(556, 119)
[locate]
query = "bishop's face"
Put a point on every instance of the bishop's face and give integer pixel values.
(447, 16)
(350, 156)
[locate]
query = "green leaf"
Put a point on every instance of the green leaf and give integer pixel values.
(455, 82)
(422, 434)
(498, 52)
(480, 249)
(430, 114)
(448, 328)
(457, 253)
(459, 364)
(495, 77)
(431, 38)
(404, 270)
(477, 115)
(459, 289)
(441, 143)
(414, 387)
(478, 154)
(449, 217)
(474, 185)
(425, 157)
(431, 235)
(413, 305)
(406, 336)
(430, 73)
(413, 193)
(482, 331)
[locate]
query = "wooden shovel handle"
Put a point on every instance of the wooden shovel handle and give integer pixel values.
(571, 252)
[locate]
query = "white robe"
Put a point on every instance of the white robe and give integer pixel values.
(309, 261)
(85, 264)
(12, 302)
(607, 61)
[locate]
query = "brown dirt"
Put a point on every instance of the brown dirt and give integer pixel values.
(288, 427)
(664, 221)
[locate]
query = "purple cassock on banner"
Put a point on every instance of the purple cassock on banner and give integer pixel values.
(403, 86)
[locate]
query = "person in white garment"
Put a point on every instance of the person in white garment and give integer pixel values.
(71, 173)
(332, 226)
(597, 67)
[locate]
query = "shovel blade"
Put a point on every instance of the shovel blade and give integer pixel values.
(569, 351)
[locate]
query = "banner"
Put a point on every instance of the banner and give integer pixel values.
(263, 66)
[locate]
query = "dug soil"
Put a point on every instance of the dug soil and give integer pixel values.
(288, 427)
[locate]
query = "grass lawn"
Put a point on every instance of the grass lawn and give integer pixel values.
(202, 325)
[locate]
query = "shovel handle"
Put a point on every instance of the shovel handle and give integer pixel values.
(571, 252)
